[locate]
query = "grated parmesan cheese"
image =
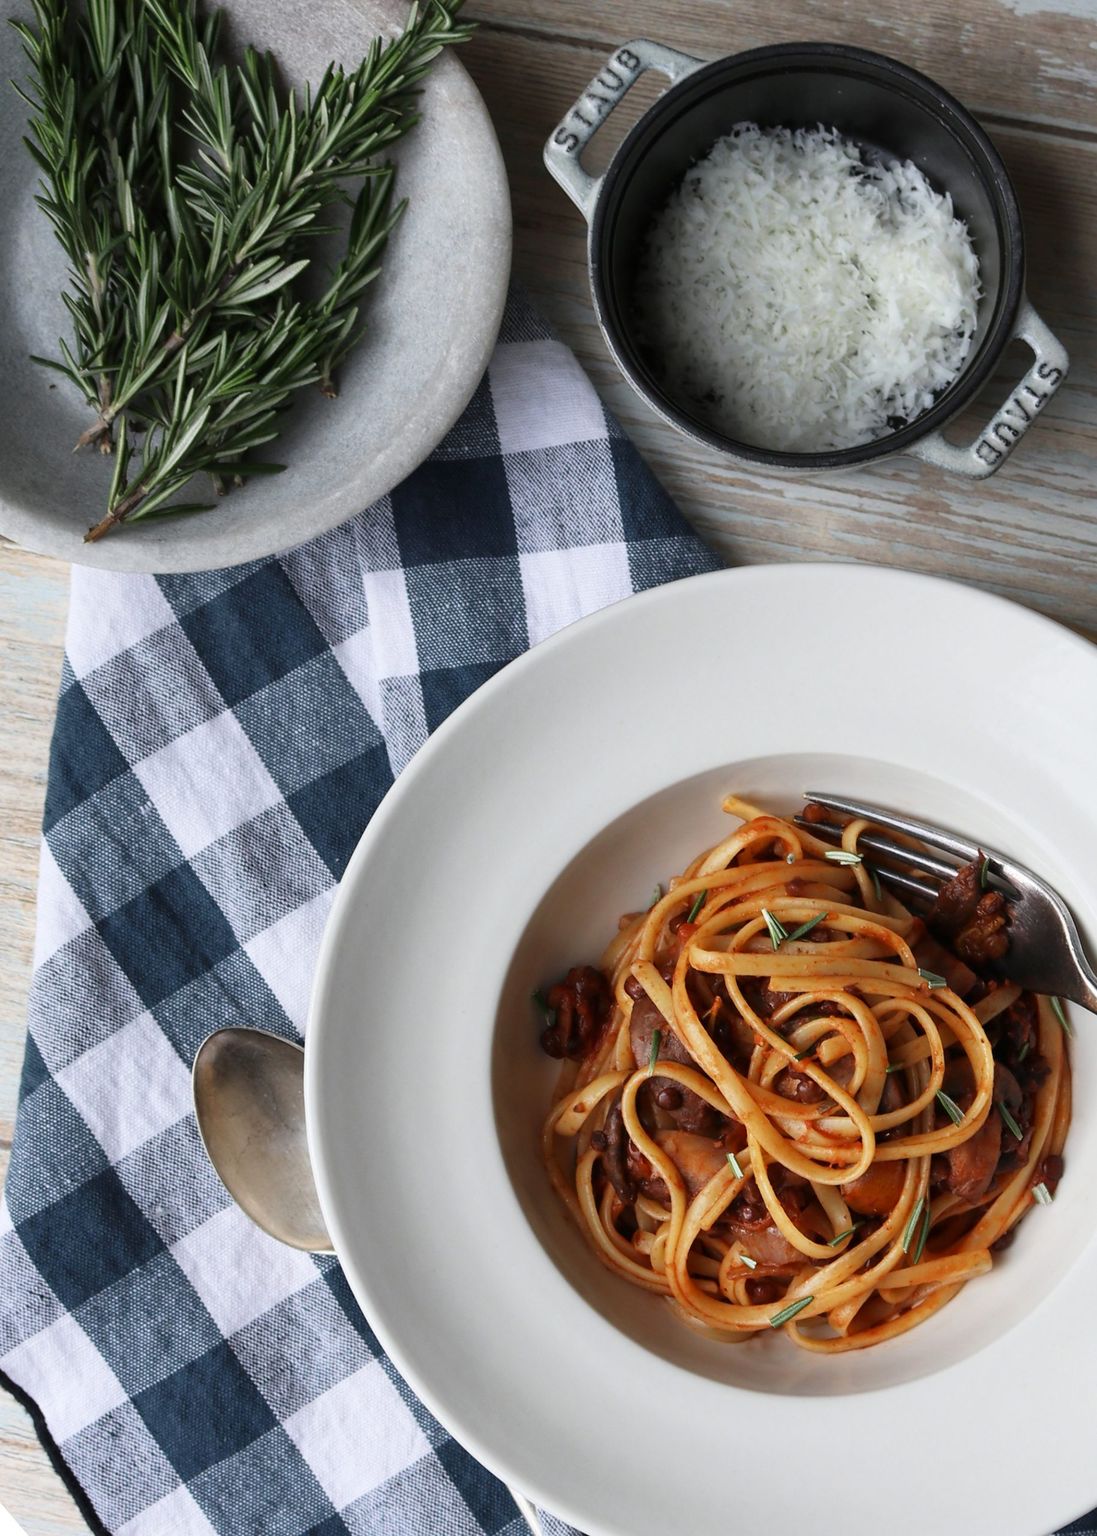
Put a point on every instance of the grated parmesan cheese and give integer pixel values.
(802, 298)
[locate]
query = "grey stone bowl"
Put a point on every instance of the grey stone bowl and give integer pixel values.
(432, 319)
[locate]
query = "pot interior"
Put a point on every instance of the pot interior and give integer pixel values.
(895, 113)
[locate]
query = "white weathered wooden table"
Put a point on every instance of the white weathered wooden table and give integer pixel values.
(1028, 69)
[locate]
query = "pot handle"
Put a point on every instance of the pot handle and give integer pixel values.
(1011, 421)
(616, 77)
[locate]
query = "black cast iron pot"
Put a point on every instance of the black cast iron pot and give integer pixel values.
(868, 98)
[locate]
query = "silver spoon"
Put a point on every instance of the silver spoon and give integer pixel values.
(249, 1100)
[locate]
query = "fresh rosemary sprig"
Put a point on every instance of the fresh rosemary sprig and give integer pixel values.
(93, 129)
(188, 195)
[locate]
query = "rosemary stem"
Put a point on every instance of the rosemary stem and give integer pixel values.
(118, 513)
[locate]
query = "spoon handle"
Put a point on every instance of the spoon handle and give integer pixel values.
(527, 1511)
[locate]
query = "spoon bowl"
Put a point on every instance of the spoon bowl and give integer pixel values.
(250, 1105)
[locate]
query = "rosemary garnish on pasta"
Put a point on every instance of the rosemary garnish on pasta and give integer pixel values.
(840, 1237)
(950, 1107)
(920, 1246)
(786, 1314)
(805, 928)
(786, 1050)
(698, 903)
(1009, 1122)
(912, 1222)
(777, 930)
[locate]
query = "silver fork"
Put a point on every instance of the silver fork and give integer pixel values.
(1045, 949)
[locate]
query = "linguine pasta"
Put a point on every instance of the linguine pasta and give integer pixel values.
(776, 1115)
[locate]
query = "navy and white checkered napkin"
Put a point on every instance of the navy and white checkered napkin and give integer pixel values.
(221, 741)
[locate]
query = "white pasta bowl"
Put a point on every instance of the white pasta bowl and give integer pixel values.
(549, 803)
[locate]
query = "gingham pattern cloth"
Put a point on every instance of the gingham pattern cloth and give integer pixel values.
(221, 741)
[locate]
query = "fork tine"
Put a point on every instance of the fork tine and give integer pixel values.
(926, 893)
(883, 846)
(935, 836)
(911, 887)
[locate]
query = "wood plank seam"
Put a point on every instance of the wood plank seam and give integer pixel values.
(1048, 126)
